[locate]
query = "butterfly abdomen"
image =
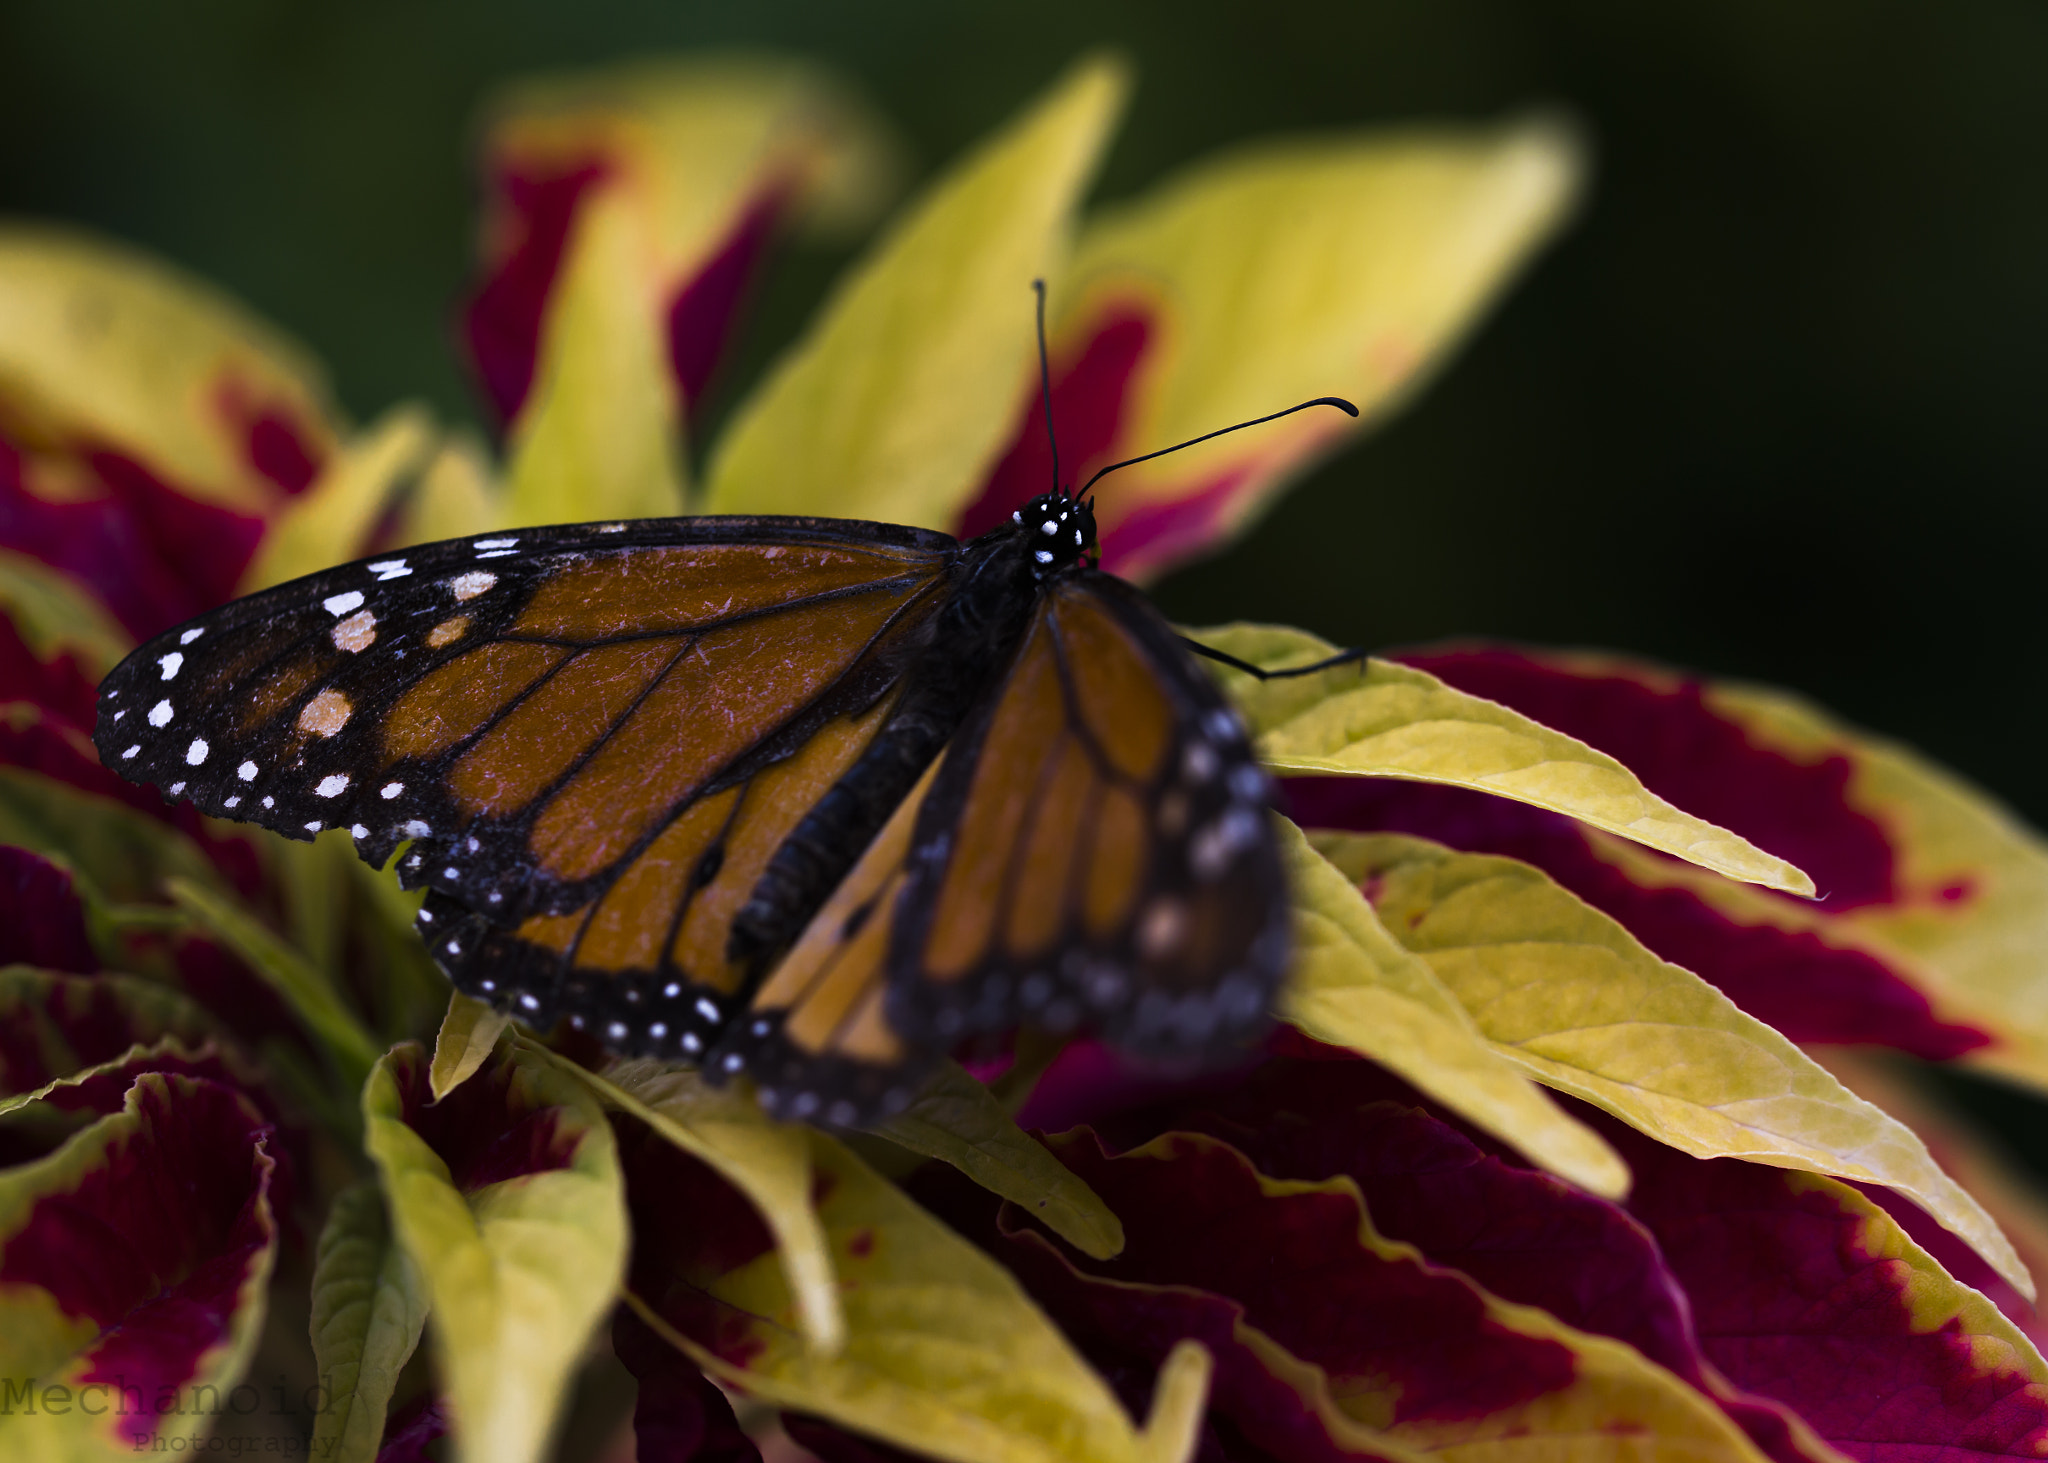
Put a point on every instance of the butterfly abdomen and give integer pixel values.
(962, 650)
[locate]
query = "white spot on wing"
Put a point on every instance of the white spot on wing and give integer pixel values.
(196, 753)
(233, 802)
(358, 832)
(357, 633)
(314, 826)
(390, 790)
(171, 662)
(191, 635)
(472, 584)
(160, 714)
(495, 553)
(338, 605)
(1044, 556)
(247, 772)
(326, 714)
(417, 829)
(495, 543)
(332, 785)
(131, 751)
(388, 569)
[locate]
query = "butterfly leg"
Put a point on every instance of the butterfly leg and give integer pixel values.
(1342, 657)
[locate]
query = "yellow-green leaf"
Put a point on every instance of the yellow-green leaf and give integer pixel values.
(697, 139)
(167, 1054)
(317, 1003)
(333, 519)
(468, 1032)
(116, 852)
(1969, 917)
(54, 614)
(599, 435)
(369, 1307)
(767, 1161)
(957, 1120)
(101, 343)
(114, 1251)
(1352, 985)
(1345, 265)
(457, 494)
(520, 1268)
(48, 1015)
(1379, 719)
(1579, 1003)
(901, 396)
(1286, 1244)
(945, 1353)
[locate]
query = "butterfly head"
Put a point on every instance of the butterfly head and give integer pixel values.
(1059, 532)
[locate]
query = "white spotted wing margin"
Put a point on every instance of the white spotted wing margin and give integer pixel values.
(269, 709)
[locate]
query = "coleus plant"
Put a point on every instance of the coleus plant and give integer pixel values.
(1570, 1137)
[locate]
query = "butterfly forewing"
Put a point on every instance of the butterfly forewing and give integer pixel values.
(592, 737)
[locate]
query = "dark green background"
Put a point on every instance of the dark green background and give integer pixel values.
(1773, 408)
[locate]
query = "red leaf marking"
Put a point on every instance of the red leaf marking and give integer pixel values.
(1698, 760)
(1791, 1302)
(1171, 531)
(689, 1228)
(1090, 393)
(41, 923)
(154, 1244)
(60, 687)
(411, 1431)
(151, 554)
(1296, 1265)
(679, 1416)
(275, 443)
(703, 308)
(502, 322)
(1525, 1236)
(487, 1130)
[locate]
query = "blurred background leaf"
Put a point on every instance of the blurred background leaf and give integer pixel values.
(1794, 342)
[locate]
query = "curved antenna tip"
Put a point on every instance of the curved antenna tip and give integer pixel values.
(1337, 401)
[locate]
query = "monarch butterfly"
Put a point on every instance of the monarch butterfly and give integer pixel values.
(809, 799)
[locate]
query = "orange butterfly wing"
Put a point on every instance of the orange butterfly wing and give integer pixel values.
(594, 738)
(1093, 848)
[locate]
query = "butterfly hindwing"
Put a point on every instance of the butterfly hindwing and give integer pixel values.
(1093, 849)
(1096, 849)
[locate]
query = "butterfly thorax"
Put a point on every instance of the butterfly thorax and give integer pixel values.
(995, 585)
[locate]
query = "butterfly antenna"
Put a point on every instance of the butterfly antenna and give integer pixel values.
(1337, 401)
(1045, 384)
